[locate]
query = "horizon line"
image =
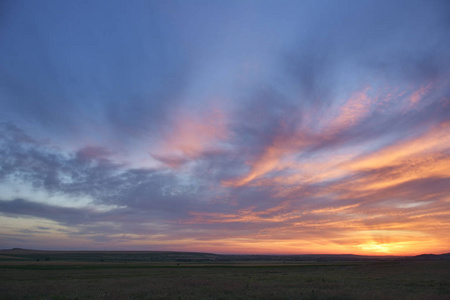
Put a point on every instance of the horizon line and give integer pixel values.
(242, 254)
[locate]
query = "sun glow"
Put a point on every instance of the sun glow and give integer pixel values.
(386, 248)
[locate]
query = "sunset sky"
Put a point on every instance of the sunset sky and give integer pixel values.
(269, 127)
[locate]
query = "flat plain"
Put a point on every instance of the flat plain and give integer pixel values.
(26, 274)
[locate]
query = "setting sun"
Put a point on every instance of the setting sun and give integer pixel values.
(381, 248)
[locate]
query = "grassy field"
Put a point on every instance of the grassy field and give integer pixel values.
(193, 276)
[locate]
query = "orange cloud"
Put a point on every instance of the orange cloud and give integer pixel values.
(278, 154)
(419, 94)
(273, 158)
(192, 134)
(356, 108)
(248, 215)
(420, 157)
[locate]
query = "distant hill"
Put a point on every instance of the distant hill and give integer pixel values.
(431, 256)
(172, 256)
(106, 256)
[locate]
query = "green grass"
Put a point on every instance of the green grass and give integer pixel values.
(233, 280)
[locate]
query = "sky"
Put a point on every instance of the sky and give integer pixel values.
(247, 127)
